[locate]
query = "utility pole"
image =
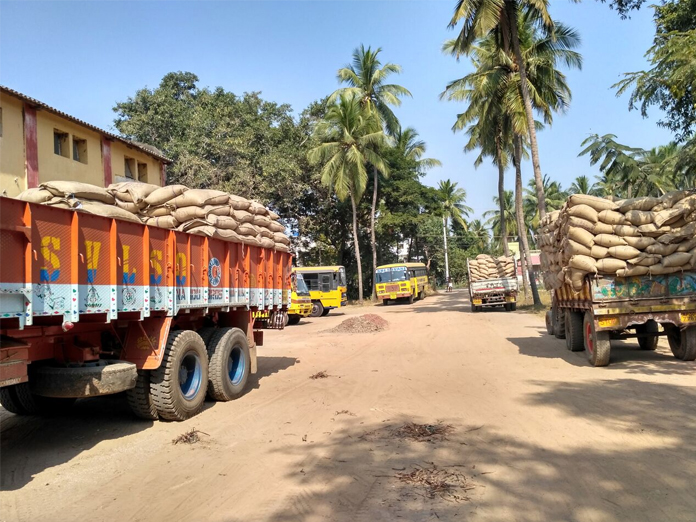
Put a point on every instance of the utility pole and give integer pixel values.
(444, 235)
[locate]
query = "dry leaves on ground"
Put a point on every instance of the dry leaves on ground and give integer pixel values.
(447, 485)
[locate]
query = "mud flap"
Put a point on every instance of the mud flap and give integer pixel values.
(145, 342)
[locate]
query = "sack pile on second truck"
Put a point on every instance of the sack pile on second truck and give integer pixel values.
(489, 267)
(208, 212)
(632, 237)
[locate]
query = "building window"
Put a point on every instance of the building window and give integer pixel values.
(79, 147)
(60, 143)
(129, 168)
(142, 172)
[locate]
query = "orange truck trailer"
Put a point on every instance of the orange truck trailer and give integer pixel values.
(91, 305)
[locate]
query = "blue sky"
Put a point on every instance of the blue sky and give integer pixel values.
(83, 57)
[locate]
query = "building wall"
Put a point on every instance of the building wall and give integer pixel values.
(52, 166)
(12, 168)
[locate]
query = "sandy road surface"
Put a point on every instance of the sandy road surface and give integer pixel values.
(541, 435)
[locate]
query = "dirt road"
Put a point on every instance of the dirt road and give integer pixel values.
(538, 434)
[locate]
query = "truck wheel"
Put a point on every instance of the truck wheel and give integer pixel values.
(648, 343)
(549, 322)
(474, 309)
(325, 312)
(140, 397)
(179, 385)
(513, 307)
(682, 342)
(19, 399)
(410, 299)
(293, 320)
(206, 333)
(574, 337)
(597, 344)
(229, 366)
(317, 309)
(559, 326)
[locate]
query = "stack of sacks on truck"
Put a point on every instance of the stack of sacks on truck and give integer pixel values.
(208, 212)
(632, 237)
(489, 267)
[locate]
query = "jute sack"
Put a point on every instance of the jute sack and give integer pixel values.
(245, 229)
(224, 222)
(228, 235)
(162, 195)
(677, 259)
(662, 249)
(626, 230)
(199, 198)
(35, 195)
(187, 213)
(610, 265)
(273, 215)
(133, 208)
(242, 216)
(257, 208)
(609, 240)
(644, 203)
(633, 271)
(157, 211)
(668, 216)
(281, 238)
(250, 240)
(641, 243)
(624, 252)
(203, 230)
(599, 252)
(584, 212)
(595, 202)
(602, 228)
(576, 222)
(581, 236)
(583, 263)
(611, 217)
(688, 203)
(194, 223)
(265, 242)
(110, 211)
(239, 203)
(687, 246)
(573, 248)
(276, 227)
(281, 247)
(261, 221)
(162, 222)
(78, 190)
(646, 260)
(264, 232)
(652, 230)
(672, 198)
(576, 279)
(640, 217)
(690, 218)
(664, 270)
(131, 191)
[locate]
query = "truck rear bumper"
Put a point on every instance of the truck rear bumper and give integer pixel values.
(84, 381)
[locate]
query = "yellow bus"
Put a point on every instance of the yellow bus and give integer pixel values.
(327, 287)
(301, 305)
(402, 281)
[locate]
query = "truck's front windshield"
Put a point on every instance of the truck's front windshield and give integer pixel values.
(301, 286)
(341, 276)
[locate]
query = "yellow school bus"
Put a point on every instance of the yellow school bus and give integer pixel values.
(327, 287)
(301, 305)
(401, 281)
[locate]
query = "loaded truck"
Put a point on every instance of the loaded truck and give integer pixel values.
(92, 305)
(609, 307)
(492, 292)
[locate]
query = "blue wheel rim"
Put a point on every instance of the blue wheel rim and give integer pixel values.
(236, 364)
(190, 376)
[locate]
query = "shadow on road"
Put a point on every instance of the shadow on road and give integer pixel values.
(269, 366)
(353, 475)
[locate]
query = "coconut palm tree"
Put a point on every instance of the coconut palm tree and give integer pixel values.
(499, 20)
(412, 148)
(479, 234)
(583, 185)
(453, 208)
(366, 78)
(555, 198)
(351, 139)
(509, 222)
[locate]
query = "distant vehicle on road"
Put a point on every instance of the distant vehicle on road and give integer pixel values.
(327, 287)
(402, 281)
(492, 291)
(301, 305)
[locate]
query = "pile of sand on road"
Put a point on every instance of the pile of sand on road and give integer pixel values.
(367, 323)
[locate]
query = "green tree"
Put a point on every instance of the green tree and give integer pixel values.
(351, 138)
(496, 223)
(583, 185)
(453, 208)
(367, 80)
(412, 148)
(555, 199)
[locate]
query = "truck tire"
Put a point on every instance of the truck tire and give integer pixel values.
(293, 320)
(317, 309)
(325, 312)
(140, 397)
(559, 325)
(597, 344)
(206, 333)
(648, 343)
(229, 364)
(104, 378)
(410, 299)
(549, 322)
(19, 399)
(574, 332)
(682, 342)
(475, 309)
(179, 385)
(513, 307)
